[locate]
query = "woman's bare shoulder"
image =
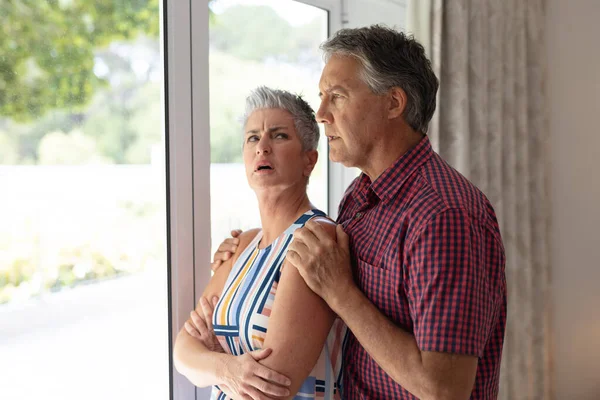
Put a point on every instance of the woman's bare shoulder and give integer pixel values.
(326, 223)
(246, 237)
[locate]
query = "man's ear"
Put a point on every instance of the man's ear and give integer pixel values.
(397, 102)
(311, 157)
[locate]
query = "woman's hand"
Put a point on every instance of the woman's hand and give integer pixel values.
(201, 326)
(245, 378)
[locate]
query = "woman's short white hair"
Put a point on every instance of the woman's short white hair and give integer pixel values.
(302, 113)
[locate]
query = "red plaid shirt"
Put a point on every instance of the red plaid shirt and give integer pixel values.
(427, 252)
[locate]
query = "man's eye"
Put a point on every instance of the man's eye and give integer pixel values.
(252, 138)
(281, 136)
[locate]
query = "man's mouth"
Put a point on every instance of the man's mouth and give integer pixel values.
(263, 167)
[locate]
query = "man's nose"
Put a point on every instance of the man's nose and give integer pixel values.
(323, 115)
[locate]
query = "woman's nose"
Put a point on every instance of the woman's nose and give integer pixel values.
(263, 146)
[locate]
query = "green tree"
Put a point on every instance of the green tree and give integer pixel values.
(234, 32)
(47, 49)
(95, 45)
(28, 135)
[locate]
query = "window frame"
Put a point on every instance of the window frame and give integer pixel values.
(187, 126)
(187, 162)
(184, 42)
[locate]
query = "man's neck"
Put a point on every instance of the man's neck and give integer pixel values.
(388, 151)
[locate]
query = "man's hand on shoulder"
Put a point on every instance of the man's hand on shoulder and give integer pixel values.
(231, 247)
(321, 253)
(226, 249)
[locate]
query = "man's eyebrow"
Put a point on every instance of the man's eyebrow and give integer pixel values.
(331, 89)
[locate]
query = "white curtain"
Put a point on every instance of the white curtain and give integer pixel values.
(491, 124)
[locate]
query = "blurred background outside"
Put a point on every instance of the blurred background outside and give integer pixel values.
(83, 265)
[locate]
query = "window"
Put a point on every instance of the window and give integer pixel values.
(89, 229)
(255, 43)
(83, 260)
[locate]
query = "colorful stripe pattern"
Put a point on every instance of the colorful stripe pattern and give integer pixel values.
(241, 317)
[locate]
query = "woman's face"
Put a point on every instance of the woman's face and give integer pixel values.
(273, 154)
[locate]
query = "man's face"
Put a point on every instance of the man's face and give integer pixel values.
(354, 117)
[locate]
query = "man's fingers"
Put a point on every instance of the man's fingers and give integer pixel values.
(293, 258)
(222, 255)
(299, 246)
(342, 238)
(226, 249)
(298, 254)
(232, 240)
(317, 230)
(215, 300)
(215, 265)
(236, 232)
(306, 236)
(229, 244)
(192, 330)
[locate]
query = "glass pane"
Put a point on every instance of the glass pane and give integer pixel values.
(252, 43)
(83, 272)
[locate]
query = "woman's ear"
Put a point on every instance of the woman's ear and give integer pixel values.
(397, 104)
(311, 157)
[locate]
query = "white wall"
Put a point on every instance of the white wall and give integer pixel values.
(367, 12)
(573, 33)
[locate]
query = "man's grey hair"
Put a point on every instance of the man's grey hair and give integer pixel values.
(302, 113)
(391, 59)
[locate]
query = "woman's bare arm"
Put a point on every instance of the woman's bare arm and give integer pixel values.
(205, 368)
(298, 327)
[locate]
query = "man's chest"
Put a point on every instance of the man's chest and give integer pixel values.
(378, 235)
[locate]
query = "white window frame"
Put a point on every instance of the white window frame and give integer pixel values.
(338, 176)
(188, 144)
(188, 162)
(185, 49)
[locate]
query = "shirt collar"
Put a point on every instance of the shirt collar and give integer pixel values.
(392, 179)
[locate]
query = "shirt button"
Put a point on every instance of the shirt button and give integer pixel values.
(358, 215)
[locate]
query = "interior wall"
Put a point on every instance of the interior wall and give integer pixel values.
(573, 36)
(367, 12)
(573, 33)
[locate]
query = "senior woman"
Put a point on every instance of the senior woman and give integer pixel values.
(266, 318)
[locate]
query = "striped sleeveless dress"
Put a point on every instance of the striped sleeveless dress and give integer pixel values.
(241, 317)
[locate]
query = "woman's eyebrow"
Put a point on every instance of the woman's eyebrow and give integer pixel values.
(277, 128)
(270, 130)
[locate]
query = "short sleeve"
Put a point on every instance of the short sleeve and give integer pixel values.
(453, 296)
